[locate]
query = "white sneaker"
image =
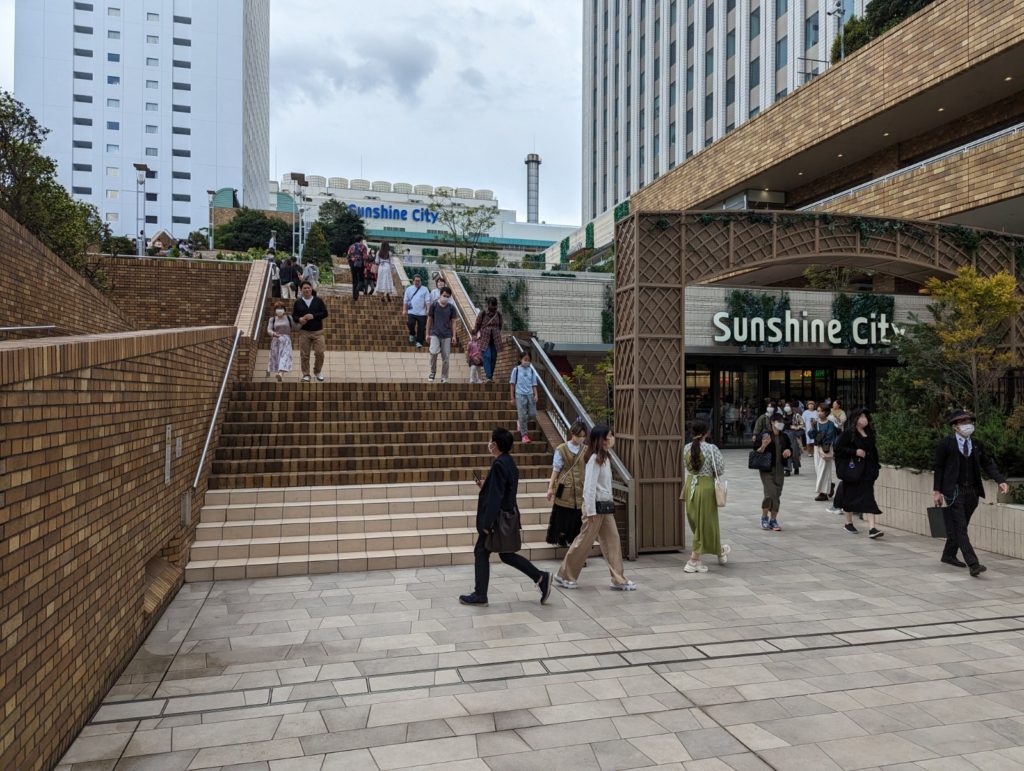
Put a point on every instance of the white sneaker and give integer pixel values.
(629, 586)
(320, 378)
(724, 556)
(695, 567)
(444, 380)
(305, 378)
(562, 582)
(430, 378)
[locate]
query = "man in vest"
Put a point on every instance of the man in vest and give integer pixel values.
(957, 487)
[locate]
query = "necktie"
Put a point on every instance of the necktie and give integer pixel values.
(967, 450)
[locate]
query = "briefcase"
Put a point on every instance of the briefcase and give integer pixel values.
(937, 521)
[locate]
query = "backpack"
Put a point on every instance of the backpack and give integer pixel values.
(356, 252)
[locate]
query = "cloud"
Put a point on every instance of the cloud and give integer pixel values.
(473, 78)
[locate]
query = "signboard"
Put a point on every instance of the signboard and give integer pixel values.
(872, 330)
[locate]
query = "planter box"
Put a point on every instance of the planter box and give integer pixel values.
(904, 496)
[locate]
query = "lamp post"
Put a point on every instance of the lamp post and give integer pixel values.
(141, 170)
(209, 227)
(839, 12)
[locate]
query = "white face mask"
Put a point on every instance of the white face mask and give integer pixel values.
(966, 430)
(788, 410)
(279, 311)
(443, 300)
(779, 425)
(770, 411)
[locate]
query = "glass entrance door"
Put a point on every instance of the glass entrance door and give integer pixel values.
(738, 405)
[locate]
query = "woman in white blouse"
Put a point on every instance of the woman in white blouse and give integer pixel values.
(598, 518)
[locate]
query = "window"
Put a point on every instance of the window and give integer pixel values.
(672, 94)
(151, 106)
(152, 16)
(152, 84)
(112, 216)
(152, 38)
(181, 86)
(672, 53)
(182, 19)
(755, 72)
(151, 129)
(81, 30)
(113, 103)
(709, 18)
(151, 197)
(181, 220)
(689, 36)
(81, 121)
(83, 76)
(181, 41)
(113, 80)
(781, 6)
(730, 91)
(182, 64)
(113, 125)
(187, 131)
(673, 12)
(150, 219)
(672, 133)
(181, 108)
(781, 94)
(657, 107)
(180, 175)
(151, 152)
(755, 23)
(82, 190)
(151, 174)
(112, 57)
(152, 61)
(184, 197)
(83, 144)
(181, 153)
(811, 31)
(113, 34)
(112, 195)
(781, 53)
(689, 79)
(82, 98)
(113, 171)
(85, 53)
(83, 6)
(755, 112)
(709, 106)
(81, 167)
(730, 6)
(730, 44)
(709, 61)
(113, 12)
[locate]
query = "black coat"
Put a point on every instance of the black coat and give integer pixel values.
(782, 440)
(317, 308)
(947, 465)
(498, 493)
(857, 497)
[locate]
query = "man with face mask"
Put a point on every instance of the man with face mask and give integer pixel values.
(959, 460)
(440, 329)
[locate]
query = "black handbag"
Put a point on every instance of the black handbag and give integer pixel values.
(760, 461)
(605, 507)
(851, 471)
(937, 521)
(506, 536)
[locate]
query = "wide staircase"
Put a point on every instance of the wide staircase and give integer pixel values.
(371, 473)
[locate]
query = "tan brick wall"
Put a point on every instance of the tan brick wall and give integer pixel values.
(166, 293)
(83, 507)
(38, 288)
(947, 37)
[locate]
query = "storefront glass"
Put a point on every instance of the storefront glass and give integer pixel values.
(738, 399)
(698, 394)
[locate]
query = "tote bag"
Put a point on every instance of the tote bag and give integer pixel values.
(506, 536)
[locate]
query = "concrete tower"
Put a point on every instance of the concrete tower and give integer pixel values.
(532, 186)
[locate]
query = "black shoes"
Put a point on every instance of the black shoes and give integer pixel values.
(473, 599)
(954, 562)
(875, 533)
(977, 570)
(821, 497)
(545, 587)
(849, 528)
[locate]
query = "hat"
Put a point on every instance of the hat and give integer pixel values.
(957, 415)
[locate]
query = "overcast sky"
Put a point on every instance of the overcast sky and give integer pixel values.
(445, 92)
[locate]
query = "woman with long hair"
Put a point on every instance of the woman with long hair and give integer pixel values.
(598, 517)
(385, 281)
(279, 328)
(487, 331)
(565, 489)
(703, 462)
(857, 466)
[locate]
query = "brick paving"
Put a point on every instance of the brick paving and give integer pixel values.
(811, 649)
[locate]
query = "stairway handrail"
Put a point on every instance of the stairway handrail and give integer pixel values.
(262, 307)
(453, 280)
(29, 328)
(216, 408)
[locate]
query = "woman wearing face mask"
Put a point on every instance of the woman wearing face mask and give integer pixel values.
(776, 443)
(824, 434)
(280, 330)
(487, 331)
(857, 465)
(703, 462)
(565, 488)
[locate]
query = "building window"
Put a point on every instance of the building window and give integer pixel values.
(113, 125)
(82, 98)
(672, 94)
(112, 195)
(181, 86)
(113, 148)
(152, 84)
(182, 19)
(113, 80)
(112, 57)
(755, 72)
(709, 18)
(689, 79)
(81, 30)
(181, 220)
(184, 197)
(182, 64)
(730, 44)
(709, 62)
(671, 133)
(673, 12)
(151, 129)
(81, 121)
(657, 107)
(181, 130)
(781, 94)
(112, 216)
(181, 108)
(82, 144)
(152, 61)
(689, 121)
(113, 34)
(151, 151)
(113, 171)
(180, 175)
(152, 38)
(730, 6)
(83, 6)
(672, 53)
(152, 106)
(152, 16)
(181, 153)
(781, 6)
(151, 197)
(113, 12)
(150, 219)
(689, 36)
(113, 103)
(181, 41)
(83, 76)
(709, 106)
(82, 190)
(755, 23)
(811, 31)
(730, 91)
(781, 53)
(81, 167)
(85, 53)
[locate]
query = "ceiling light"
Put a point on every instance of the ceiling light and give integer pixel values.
(942, 109)
(1008, 78)
(799, 173)
(885, 134)
(839, 156)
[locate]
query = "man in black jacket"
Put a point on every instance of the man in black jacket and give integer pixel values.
(959, 461)
(309, 313)
(498, 494)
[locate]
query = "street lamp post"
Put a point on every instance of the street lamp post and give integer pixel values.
(209, 227)
(141, 170)
(839, 12)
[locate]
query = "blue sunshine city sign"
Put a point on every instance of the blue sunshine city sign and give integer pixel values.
(401, 213)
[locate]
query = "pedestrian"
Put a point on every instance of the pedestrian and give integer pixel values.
(312, 275)
(370, 273)
(439, 285)
(838, 415)
(824, 434)
(385, 278)
(286, 276)
(763, 423)
(776, 444)
(279, 328)
(296, 277)
(598, 517)
(957, 487)
(275, 279)
(704, 463)
(857, 467)
(809, 415)
(498, 495)
(357, 256)
(795, 432)
(488, 332)
(440, 330)
(414, 306)
(523, 386)
(309, 313)
(565, 488)
(475, 360)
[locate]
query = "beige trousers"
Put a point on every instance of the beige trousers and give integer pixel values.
(602, 528)
(314, 340)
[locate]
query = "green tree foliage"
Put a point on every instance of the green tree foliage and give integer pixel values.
(198, 241)
(831, 278)
(119, 245)
(879, 17)
(250, 229)
(30, 193)
(467, 226)
(595, 389)
(341, 226)
(316, 250)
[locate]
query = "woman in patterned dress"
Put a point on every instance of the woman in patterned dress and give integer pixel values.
(280, 330)
(703, 461)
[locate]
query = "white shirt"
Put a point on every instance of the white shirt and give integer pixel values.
(960, 441)
(557, 464)
(416, 300)
(597, 485)
(309, 302)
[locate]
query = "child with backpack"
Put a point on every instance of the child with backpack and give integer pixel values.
(475, 360)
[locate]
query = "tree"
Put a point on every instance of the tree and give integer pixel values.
(119, 245)
(833, 279)
(250, 228)
(879, 17)
(198, 240)
(467, 225)
(341, 226)
(316, 250)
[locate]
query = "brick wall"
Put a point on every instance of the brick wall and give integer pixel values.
(84, 509)
(166, 293)
(59, 295)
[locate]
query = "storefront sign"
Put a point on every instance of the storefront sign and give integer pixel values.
(867, 330)
(389, 212)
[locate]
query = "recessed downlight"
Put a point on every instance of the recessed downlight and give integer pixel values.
(942, 109)
(885, 134)
(839, 156)
(1008, 78)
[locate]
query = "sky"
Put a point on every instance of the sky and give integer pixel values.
(437, 92)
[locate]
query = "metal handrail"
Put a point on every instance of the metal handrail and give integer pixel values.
(914, 167)
(262, 306)
(34, 328)
(216, 409)
(452, 278)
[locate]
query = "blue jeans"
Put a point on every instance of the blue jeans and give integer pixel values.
(490, 358)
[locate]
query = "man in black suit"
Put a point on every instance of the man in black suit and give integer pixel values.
(959, 461)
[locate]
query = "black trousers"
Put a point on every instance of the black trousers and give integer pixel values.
(958, 517)
(417, 327)
(357, 281)
(483, 565)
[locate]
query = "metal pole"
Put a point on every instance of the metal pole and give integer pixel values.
(139, 227)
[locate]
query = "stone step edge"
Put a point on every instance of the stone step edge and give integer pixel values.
(210, 524)
(439, 499)
(311, 488)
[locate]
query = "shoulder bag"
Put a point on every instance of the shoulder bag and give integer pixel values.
(605, 507)
(721, 488)
(851, 471)
(561, 483)
(506, 536)
(761, 461)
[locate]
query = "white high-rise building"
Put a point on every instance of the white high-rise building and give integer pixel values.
(662, 79)
(182, 86)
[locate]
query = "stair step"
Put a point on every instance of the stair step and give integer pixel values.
(368, 493)
(220, 481)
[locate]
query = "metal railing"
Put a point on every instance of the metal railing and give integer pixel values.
(453, 281)
(1016, 129)
(559, 398)
(261, 307)
(40, 329)
(216, 410)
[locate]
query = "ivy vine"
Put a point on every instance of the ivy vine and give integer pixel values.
(621, 210)
(589, 242)
(513, 305)
(847, 307)
(745, 303)
(608, 317)
(965, 239)
(563, 249)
